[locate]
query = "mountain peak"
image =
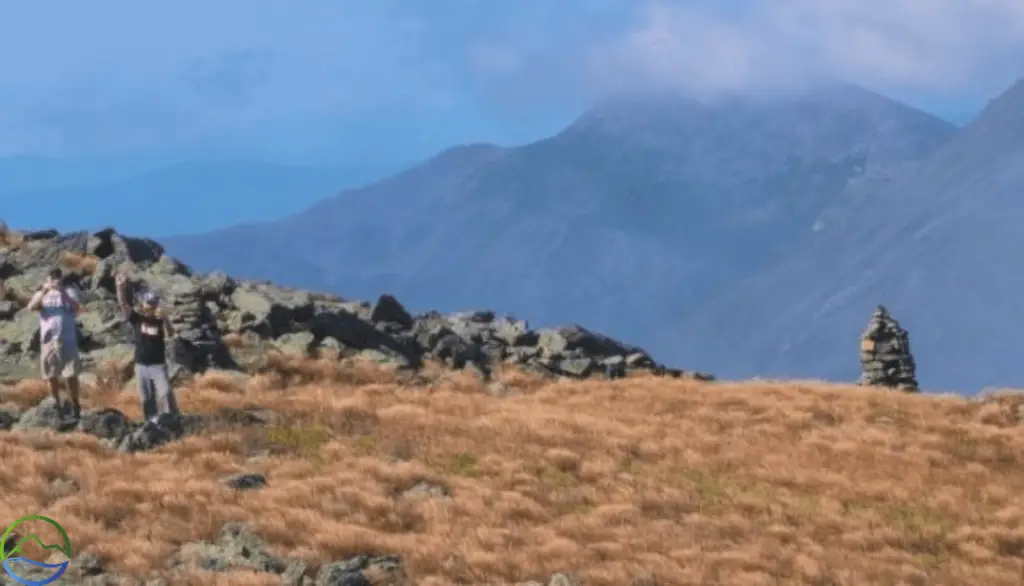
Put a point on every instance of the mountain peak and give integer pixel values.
(831, 122)
(1006, 108)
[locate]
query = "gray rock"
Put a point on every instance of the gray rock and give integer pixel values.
(108, 424)
(8, 417)
(23, 330)
(515, 332)
(424, 489)
(8, 309)
(429, 330)
(556, 341)
(350, 572)
(388, 309)
(270, 310)
(384, 357)
(236, 547)
(886, 359)
(297, 344)
(357, 334)
(456, 352)
(7, 268)
(576, 367)
(246, 481)
(152, 435)
(560, 579)
(107, 243)
(45, 415)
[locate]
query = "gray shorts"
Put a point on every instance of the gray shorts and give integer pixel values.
(58, 359)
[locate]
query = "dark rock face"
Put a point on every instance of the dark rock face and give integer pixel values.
(246, 481)
(885, 354)
(206, 308)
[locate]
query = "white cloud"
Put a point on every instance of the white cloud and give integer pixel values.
(947, 46)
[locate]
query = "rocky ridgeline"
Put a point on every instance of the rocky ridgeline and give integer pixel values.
(885, 355)
(230, 324)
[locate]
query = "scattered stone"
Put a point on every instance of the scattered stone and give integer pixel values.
(246, 481)
(151, 435)
(8, 309)
(885, 354)
(8, 417)
(45, 415)
(424, 489)
(238, 548)
(108, 424)
(560, 579)
(352, 572)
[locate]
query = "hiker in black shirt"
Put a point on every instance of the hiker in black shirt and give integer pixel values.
(152, 330)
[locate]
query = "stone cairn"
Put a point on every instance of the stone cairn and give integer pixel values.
(885, 356)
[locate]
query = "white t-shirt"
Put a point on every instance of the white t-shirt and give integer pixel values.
(57, 316)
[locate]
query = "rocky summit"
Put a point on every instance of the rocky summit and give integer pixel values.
(231, 324)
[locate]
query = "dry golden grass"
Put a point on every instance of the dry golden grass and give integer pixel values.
(78, 263)
(10, 238)
(655, 480)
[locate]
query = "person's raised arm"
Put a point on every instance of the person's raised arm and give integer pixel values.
(36, 303)
(120, 283)
(168, 328)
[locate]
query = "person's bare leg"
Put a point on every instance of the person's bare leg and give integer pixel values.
(73, 390)
(54, 384)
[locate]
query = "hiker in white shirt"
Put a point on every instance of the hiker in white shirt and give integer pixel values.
(58, 306)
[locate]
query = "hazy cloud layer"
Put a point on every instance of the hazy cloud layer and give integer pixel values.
(946, 46)
(114, 74)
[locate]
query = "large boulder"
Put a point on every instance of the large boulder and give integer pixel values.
(352, 332)
(268, 310)
(389, 310)
(566, 339)
(107, 243)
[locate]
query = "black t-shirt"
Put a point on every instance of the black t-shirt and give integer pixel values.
(149, 338)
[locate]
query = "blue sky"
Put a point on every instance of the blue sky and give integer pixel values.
(347, 80)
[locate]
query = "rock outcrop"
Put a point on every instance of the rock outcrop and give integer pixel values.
(258, 317)
(885, 354)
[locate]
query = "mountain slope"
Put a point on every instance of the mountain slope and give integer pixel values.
(940, 246)
(639, 211)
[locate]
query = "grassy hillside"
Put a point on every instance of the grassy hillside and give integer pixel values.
(636, 481)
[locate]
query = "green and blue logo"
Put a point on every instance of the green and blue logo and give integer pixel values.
(14, 557)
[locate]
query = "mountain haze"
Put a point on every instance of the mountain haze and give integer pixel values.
(163, 197)
(636, 214)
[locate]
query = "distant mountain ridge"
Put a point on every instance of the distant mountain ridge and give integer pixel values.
(636, 214)
(162, 197)
(939, 245)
